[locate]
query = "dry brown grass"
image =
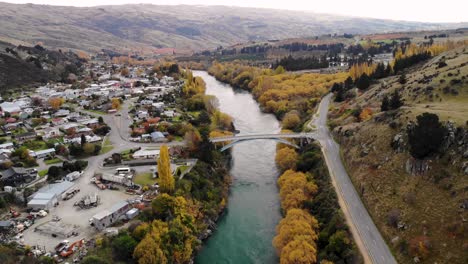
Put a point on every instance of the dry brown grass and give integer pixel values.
(427, 207)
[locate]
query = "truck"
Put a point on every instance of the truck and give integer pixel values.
(75, 246)
(124, 179)
(73, 175)
(96, 180)
(69, 194)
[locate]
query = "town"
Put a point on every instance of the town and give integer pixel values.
(78, 160)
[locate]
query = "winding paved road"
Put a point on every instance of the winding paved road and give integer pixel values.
(366, 234)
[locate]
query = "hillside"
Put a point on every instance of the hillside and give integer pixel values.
(23, 66)
(145, 27)
(420, 206)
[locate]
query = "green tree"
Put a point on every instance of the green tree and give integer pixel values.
(166, 180)
(395, 101)
(363, 82)
(385, 104)
(123, 246)
(92, 259)
(427, 135)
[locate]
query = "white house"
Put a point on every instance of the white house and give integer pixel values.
(146, 154)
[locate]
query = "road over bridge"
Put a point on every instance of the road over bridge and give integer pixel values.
(280, 137)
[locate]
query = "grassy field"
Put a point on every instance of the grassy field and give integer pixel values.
(96, 112)
(43, 173)
(145, 178)
(107, 146)
(52, 161)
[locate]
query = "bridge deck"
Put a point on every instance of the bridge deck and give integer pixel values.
(263, 136)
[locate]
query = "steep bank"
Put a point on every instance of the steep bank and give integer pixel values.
(418, 205)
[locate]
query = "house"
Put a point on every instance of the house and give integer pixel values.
(68, 128)
(158, 137)
(169, 113)
(74, 116)
(146, 102)
(90, 122)
(158, 105)
(146, 154)
(26, 136)
(142, 114)
(62, 113)
(43, 153)
(11, 127)
(109, 217)
(58, 121)
(50, 132)
(16, 176)
(7, 145)
(11, 107)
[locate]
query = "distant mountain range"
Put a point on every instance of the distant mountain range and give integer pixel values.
(145, 27)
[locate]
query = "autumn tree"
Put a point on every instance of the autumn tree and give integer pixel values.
(295, 189)
(286, 158)
(115, 103)
(56, 102)
(291, 120)
(365, 114)
(124, 72)
(296, 237)
(166, 180)
(192, 139)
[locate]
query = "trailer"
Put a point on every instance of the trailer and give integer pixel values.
(70, 193)
(73, 175)
(123, 179)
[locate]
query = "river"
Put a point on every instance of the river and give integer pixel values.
(245, 232)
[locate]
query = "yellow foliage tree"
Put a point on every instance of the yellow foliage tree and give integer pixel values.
(115, 103)
(220, 133)
(291, 120)
(365, 114)
(56, 102)
(295, 189)
(299, 251)
(192, 139)
(166, 180)
(286, 158)
(149, 250)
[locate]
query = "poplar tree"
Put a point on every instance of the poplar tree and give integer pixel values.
(166, 180)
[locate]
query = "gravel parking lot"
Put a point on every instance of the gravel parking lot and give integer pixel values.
(73, 216)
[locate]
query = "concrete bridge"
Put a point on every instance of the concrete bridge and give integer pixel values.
(282, 138)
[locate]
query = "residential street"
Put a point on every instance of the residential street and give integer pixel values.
(366, 234)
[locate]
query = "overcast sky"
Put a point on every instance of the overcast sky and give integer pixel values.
(414, 10)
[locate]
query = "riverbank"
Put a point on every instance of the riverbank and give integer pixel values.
(245, 230)
(323, 203)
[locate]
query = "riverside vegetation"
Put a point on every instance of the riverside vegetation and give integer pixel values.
(313, 229)
(171, 230)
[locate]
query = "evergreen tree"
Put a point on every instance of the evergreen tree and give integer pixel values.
(427, 136)
(402, 79)
(385, 104)
(363, 82)
(395, 101)
(83, 140)
(166, 180)
(348, 83)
